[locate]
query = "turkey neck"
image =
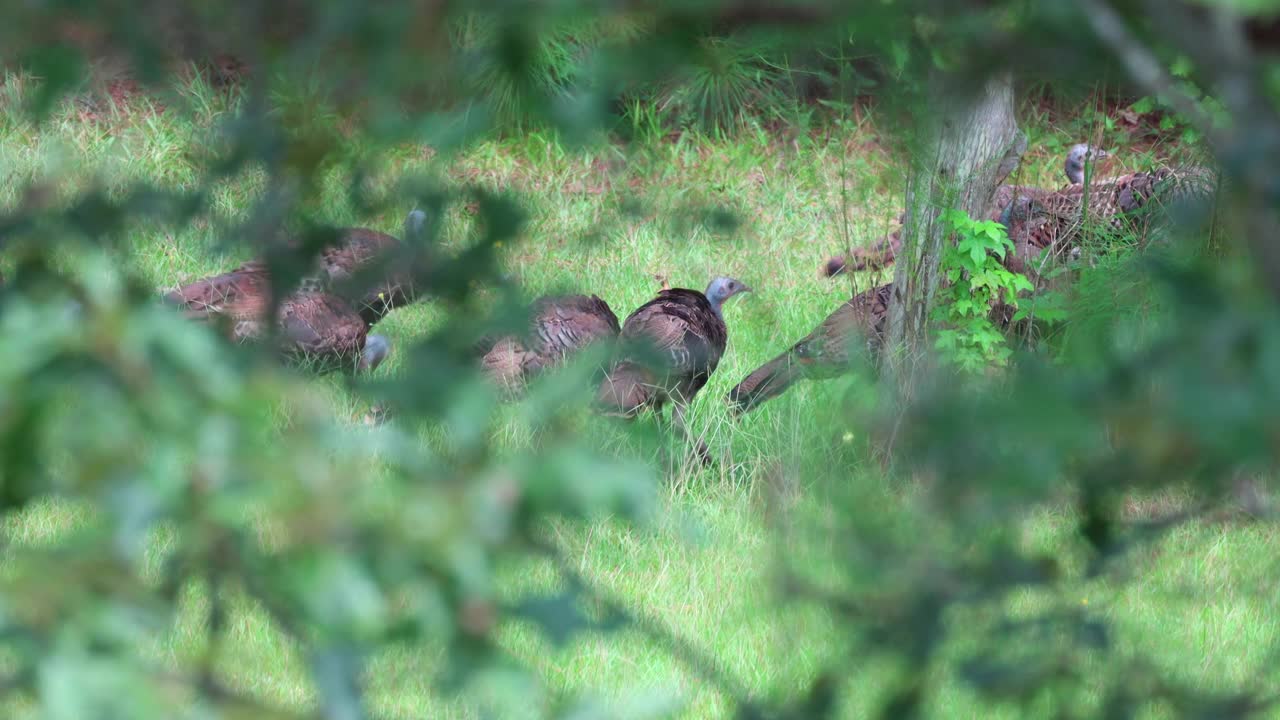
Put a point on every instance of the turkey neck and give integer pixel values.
(715, 308)
(715, 305)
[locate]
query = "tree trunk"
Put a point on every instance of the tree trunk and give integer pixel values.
(969, 147)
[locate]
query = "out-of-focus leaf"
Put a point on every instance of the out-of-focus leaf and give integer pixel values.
(560, 616)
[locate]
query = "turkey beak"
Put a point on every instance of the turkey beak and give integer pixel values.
(745, 288)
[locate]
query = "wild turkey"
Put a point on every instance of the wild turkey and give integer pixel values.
(1040, 220)
(670, 347)
(327, 320)
(822, 354)
(315, 326)
(1055, 218)
(1079, 156)
(558, 327)
(366, 266)
(883, 252)
(343, 269)
(879, 254)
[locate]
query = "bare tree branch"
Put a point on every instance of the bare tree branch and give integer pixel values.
(1141, 64)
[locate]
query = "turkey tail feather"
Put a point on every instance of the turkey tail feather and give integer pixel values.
(833, 266)
(766, 382)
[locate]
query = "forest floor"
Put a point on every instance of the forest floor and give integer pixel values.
(617, 222)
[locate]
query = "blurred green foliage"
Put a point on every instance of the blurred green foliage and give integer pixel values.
(975, 281)
(200, 464)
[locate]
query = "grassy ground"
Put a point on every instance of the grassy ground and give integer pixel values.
(614, 223)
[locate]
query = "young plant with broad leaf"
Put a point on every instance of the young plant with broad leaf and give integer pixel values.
(975, 281)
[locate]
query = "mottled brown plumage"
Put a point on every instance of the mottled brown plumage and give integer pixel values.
(884, 251)
(316, 327)
(675, 341)
(364, 267)
(1053, 221)
(876, 256)
(239, 296)
(823, 353)
(559, 326)
(670, 346)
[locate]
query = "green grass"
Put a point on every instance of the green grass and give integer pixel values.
(705, 568)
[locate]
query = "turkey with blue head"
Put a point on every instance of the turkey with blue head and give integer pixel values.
(884, 251)
(1081, 157)
(669, 347)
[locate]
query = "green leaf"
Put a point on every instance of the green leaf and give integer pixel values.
(976, 255)
(1181, 67)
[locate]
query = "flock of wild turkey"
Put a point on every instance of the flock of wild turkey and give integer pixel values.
(668, 348)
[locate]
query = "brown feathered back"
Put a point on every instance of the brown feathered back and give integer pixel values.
(1054, 220)
(322, 328)
(671, 345)
(874, 257)
(239, 299)
(364, 267)
(559, 326)
(822, 353)
(317, 326)
(884, 251)
(1116, 203)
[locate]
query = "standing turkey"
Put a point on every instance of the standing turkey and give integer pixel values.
(559, 326)
(670, 347)
(822, 354)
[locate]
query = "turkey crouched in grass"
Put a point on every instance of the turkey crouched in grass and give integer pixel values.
(1040, 220)
(374, 270)
(823, 353)
(365, 267)
(669, 348)
(316, 328)
(883, 252)
(559, 326)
